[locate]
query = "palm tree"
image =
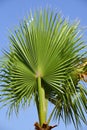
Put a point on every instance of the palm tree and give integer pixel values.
(46, 62)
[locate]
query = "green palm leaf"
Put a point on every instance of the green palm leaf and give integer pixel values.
(48, 50)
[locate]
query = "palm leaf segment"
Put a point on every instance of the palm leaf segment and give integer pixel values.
(49, 47)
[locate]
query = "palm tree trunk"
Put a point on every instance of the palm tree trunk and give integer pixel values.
(45, 126)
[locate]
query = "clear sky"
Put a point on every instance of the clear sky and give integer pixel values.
(11, 13)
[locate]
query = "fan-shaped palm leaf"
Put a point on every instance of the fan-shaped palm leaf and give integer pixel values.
(44, 63)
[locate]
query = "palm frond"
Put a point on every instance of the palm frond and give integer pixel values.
(51, 48)
(71, 106)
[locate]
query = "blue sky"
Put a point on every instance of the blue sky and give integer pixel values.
(11, 13)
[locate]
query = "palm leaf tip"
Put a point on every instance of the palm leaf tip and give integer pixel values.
(51, 48)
